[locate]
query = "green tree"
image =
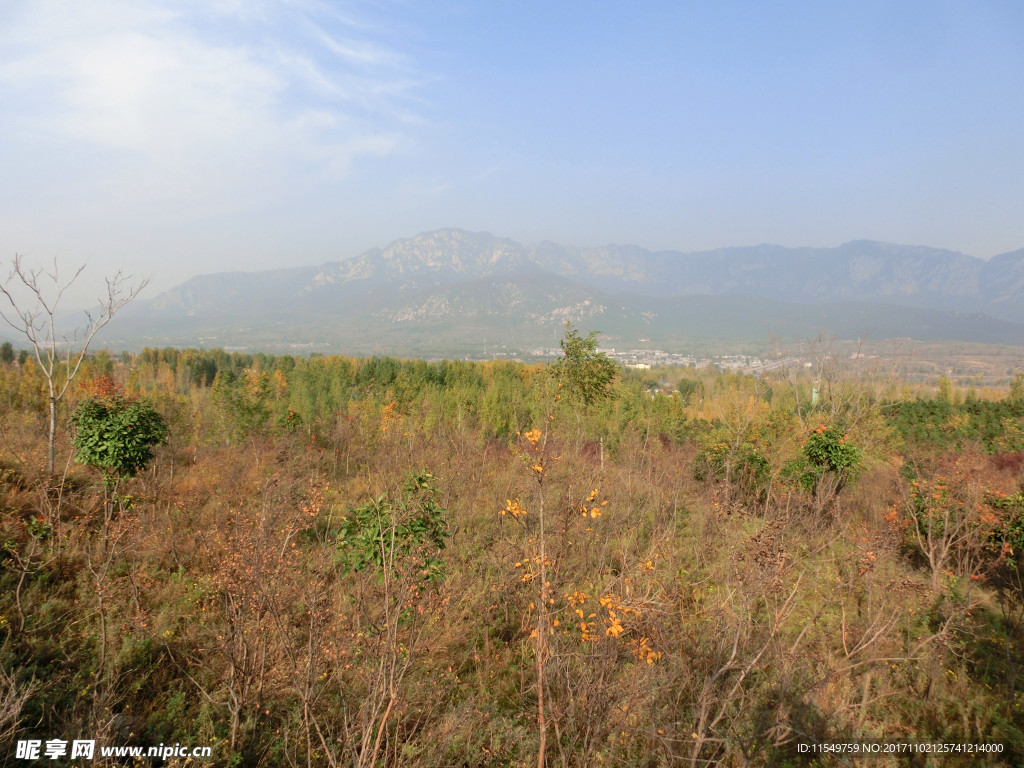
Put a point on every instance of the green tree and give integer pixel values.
(828, 463)
(244, 402)
(505, 409)
(688, 388)
(585, 374)
(102, 363)
(6, 352)
(116, 435)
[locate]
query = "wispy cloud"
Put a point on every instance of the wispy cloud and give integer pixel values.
(197, 100)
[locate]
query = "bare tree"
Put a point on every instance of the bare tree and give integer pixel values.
(33, 296)
(13, 697)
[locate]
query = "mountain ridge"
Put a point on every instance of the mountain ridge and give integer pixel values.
(859, 269)
(451, 275)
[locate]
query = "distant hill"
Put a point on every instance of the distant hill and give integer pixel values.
(451, 286)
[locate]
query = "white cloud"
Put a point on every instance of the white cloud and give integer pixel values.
(192, 106)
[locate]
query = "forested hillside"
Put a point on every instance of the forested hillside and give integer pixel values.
(332, 561)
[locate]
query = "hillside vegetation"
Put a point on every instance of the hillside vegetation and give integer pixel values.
(332, 561)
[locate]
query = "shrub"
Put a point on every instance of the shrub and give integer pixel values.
(412, 526)
(116, 435)
(827, 463)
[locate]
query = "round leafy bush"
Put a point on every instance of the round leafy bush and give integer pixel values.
(116, 434)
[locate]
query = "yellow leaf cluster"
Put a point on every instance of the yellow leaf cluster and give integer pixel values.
(644, 652)
(514, 508)
(586, 629)
(576, 599)
(586, 510)
(280, 384)
(611, 602)
(389, 415)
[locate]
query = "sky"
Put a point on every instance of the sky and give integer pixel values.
(181, 137)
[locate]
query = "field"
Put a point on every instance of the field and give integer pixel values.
(334, 561)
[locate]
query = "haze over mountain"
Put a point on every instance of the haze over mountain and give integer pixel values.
(455, 287)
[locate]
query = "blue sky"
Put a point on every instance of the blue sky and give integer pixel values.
(190, 136)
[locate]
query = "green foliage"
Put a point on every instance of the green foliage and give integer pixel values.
(385, 533)
(38, 528)
(244, 402)
(6, 352)
(290, 420)
(319, 387)
(827, 455)
(944, 394)
(506, 407)
(116, 434)
(101, 363)
(668, 416)
(585, 373)
(378, 372)
(689, 388)
(745, 446)
(941, 425)
(747, 466)
(828, 448)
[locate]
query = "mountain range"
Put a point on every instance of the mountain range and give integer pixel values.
(443, 292)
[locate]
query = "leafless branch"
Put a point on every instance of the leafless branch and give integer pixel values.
(33, 297)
